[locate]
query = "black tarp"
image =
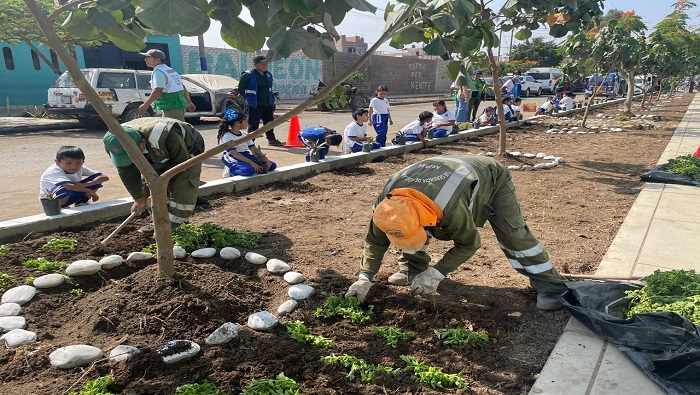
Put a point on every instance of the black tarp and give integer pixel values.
(664, 345)
(660, 173)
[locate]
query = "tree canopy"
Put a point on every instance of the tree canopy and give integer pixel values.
(544, 53)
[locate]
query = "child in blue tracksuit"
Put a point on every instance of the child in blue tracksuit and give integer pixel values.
(379, 114)
(239, 160)
(319, 135)
(71, 182)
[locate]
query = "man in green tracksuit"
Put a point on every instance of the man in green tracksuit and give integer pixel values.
(448, 197)
(165, 142)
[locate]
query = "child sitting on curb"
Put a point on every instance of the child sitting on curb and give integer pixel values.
(71, 182)
(417, 130)
(546, 107)
(240, 160)
(356, 132)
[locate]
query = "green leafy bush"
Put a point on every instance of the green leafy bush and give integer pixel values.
(434, 376)
(44, 264)
(61, 244)
(346, 308)
(204, 388)
(677, 291)
(191, 237)
(300, 333)
(367, 371)
(281, 385)
(5, 280)
(29, 280)
(151, 248)
(459, 336)
(685, 164)
(97, 386)
(4, 249)
(392, 335)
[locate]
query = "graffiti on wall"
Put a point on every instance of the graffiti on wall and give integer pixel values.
(294, 76)
(419, 77)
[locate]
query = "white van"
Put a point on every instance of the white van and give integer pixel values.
(545, 76)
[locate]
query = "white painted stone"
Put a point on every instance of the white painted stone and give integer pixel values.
(139, 256)
(287, 307)
(83, 267)
(554, 130)
(540, 166)
(229, 253)
(549, 157)
(616, 130)
(179, 252)
(562, 132)
(515, 153)
(529, 155)
(75, 355)
(593, 127)
(10, 309)
(223, 334)
(490, 153)
(19, 295)
(262, 321)
(166, 350)
(527, 167)
(12, 322)
(551, 164)
(49, 280)
(600, 115)
(559, 159)
(540, 155)
(294, 277)
(111, 261)
(277, 266)
(574, 128)
(18, 337)
(255, 258)
(513, 167)
(581, 132)
(123, 353)
(300, 291)
(204, 253)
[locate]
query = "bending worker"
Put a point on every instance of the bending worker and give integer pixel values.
(448, 197)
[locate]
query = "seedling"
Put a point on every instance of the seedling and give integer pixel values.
(191, 237)
(4, 249)
(44, 264)
(51, 194)
(29, 280)
(61, 244)
(346, 308)
(359, 366)
(459, 336)
(97, 386)
(151, 248)
(432, 375)
(392, 335)
(5, 280)
(204, 388)
(677, 291)
(300, 333)
(77, 292)
(281, 385)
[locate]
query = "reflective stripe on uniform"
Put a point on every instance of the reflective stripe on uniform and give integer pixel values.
(530, 252)
(534, 269)
(251, 91)
(450, 187)
(184, 207)
(156, 132)
(176, 219)
(469, 170)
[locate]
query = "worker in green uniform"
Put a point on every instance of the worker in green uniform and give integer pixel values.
(477, 95)
(165, 143)
(168, 93)
(448, 197)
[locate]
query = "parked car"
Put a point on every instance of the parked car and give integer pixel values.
(489, 95)
(125, 90)
(545, 76)
(529, 86)
(611, 84)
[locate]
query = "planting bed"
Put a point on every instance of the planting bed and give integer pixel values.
(317, 225)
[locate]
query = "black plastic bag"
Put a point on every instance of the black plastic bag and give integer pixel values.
(660, 173)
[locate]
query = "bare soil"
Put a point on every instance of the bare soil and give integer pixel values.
(317, 225)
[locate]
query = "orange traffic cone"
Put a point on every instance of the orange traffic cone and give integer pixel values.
(697, 152)
(294, 129)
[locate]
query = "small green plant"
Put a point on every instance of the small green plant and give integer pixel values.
(34, 112)
(151, 248)
(50, 194)
(367, 371)
(61, 244)
(392, 335)
(29, 280)
(77, 292)
(685, 164)
(44, 264)
(300, 333)
(281, 385)
(204, 388)
(432, 375)
(346, 308)
(459, 336)
(4, 249)
(621, 118)
(677, 291)
(97, 386)
(5, 280)
(192, 237)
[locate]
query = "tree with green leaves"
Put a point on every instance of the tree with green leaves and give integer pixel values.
(544, 53)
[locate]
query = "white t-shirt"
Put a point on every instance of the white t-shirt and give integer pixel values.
(516, 109)
(485, 118)
(508, 85)
(444, 117)
(547, 105)
(353, 130)
(413, 128)
(242, 147)
(566, 103)
(379, 106)
(55, 175)
(508, 111)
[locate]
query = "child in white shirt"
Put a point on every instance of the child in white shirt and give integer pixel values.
(356, 132)
(379, 114)
(546, 107)
(486, 118)
(416, 130)
(238, 160)
(567, 102)
(70, 180)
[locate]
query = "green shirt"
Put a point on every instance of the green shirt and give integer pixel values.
(479, 88)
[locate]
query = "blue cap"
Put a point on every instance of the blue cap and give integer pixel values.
(478, 72)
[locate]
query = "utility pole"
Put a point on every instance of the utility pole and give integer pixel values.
(500, 44)
(510, 46)
(202, 55)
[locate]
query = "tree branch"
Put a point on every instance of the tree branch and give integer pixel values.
(66, 7)
(43, 57)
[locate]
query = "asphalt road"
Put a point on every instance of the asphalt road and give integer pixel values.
(26, 155)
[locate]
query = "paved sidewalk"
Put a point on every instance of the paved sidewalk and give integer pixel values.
(660, 232)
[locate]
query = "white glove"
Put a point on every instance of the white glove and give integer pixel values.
(359, 288)
(426, 282)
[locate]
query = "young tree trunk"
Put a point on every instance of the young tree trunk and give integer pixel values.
(595, 92)
(630, 92)
(502, 130)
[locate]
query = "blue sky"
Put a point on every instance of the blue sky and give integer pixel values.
(371, 26)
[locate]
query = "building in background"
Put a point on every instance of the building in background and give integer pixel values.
(352, 44)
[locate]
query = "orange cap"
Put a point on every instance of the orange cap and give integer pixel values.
(403, 215)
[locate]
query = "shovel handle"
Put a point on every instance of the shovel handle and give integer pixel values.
(119, 228)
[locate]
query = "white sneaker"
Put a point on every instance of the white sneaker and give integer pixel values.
(82, 204)
(226, 174)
